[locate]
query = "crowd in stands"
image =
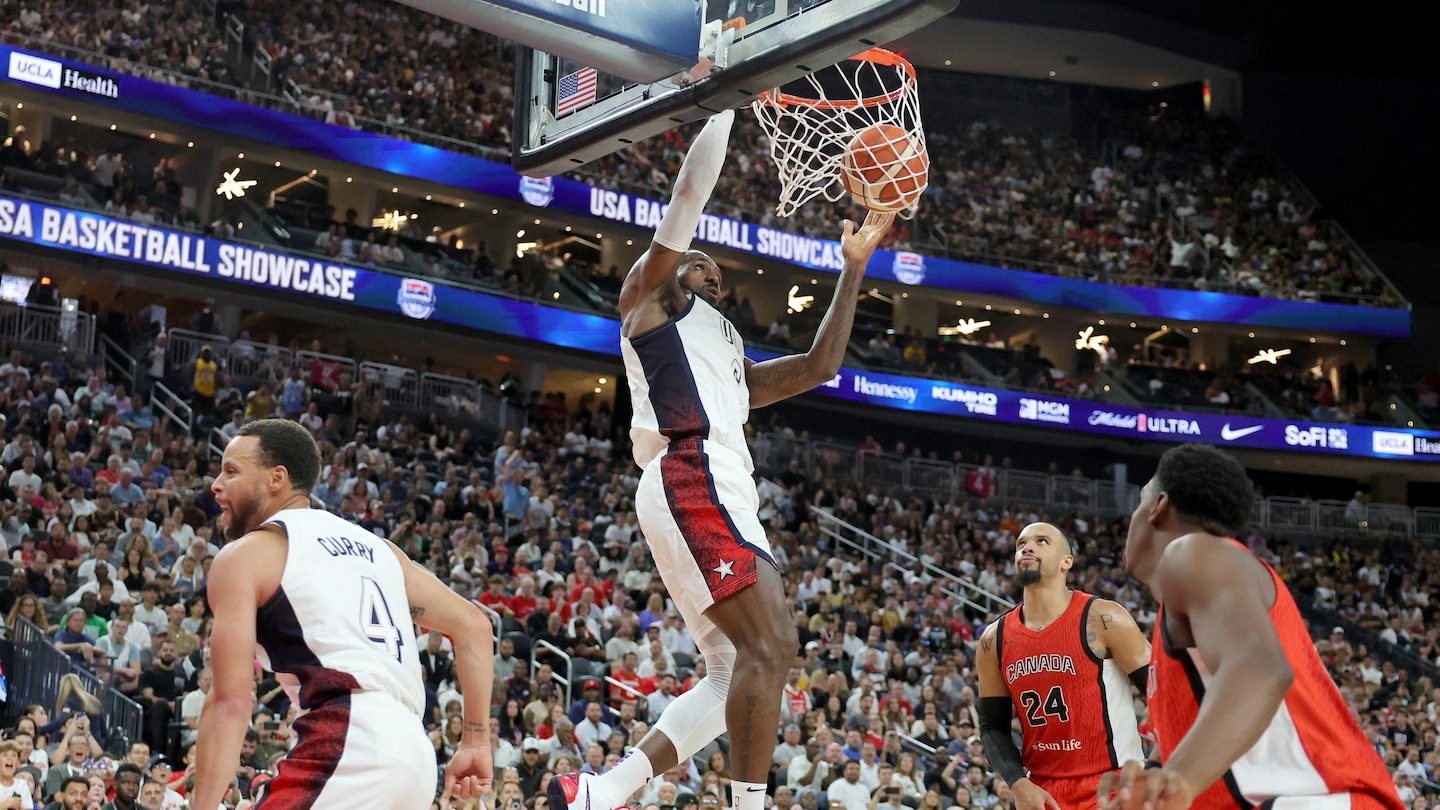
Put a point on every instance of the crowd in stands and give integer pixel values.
(83, 173)
(1169, 198)
(108, 524)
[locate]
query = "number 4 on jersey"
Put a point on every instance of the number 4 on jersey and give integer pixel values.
(376, 620)
(1053, 706)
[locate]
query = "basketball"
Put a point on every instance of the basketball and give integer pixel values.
(884, 169)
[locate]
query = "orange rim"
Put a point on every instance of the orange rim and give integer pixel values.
(877, 56)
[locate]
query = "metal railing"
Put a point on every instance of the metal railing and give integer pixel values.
(48, 327)
(392, 385)
(215, 442)
(892, 555)
(118, 362)
(249, 363)
(566, 679)
(183, 346)
(170, 404)
(773, 453)
(36, 671)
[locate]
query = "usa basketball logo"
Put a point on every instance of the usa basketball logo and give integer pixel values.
(909, 268)
(538, 191)
(416, 298)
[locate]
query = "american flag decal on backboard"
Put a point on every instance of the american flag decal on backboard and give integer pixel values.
(575, 91)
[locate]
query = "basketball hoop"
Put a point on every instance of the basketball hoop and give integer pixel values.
(812, 121)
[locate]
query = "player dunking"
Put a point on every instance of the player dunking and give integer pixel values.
(1068, 659)
(328, 607)
(1244, 711)
(693, 388)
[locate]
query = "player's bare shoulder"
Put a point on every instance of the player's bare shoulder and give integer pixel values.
(1110, 631)
(651, 293)
(989, 637)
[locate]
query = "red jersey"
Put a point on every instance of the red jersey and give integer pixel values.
(1075, 708)
(1313, 746)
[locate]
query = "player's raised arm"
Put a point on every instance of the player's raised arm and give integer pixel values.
(434, 606)
(692, 189)
(785, 377)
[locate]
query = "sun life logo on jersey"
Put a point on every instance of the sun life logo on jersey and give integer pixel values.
(416, 298)
(538, 191)
(909, 268)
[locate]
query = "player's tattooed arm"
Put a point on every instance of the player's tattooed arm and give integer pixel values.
(1111, 632)
(416, 611)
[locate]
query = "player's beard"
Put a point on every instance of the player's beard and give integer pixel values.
(1029, 576)
(242, 516)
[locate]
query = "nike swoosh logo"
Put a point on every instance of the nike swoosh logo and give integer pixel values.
(1231, 435)
(754, 790)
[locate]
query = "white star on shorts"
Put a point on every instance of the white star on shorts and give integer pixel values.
(726, 568)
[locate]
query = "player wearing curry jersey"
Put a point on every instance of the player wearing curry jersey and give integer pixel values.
(1067, 659)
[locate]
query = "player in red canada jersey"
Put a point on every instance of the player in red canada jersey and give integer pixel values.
(1068, 659)
(1243, 709)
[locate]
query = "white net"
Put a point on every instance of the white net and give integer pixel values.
(812, 121)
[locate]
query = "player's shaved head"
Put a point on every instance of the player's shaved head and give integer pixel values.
(1051, 531)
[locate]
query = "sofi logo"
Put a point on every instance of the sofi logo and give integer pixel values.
(1392, 444)
(1315, 436)
(909, 268)
(538, 191)
(27, 68)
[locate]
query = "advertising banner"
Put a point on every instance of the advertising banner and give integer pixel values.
(287, 274)
(566, 196)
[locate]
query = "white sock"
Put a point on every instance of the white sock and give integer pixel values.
(632, 772)
(748, 795)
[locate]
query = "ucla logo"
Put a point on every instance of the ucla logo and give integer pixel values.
(909, 268)
(32, 69)
(538, 191)
(416, 298)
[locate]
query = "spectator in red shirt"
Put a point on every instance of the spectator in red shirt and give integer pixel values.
(60, 546)
(524, 603)
(628, 673)
(494, 596)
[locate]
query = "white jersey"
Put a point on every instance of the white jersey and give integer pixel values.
(687, 381)
(340, 620)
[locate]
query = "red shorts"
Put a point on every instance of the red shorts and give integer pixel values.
(697, 508)
(1075, 793)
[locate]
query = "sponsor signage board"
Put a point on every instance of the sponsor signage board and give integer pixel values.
(314, 278)
(193, 108)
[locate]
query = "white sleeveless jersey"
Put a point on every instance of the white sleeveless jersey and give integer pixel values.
(340, 621)
(687, 381)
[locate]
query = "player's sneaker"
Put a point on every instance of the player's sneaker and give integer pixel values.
(574, 791)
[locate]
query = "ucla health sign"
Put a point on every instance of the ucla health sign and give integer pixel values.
(44, 72)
